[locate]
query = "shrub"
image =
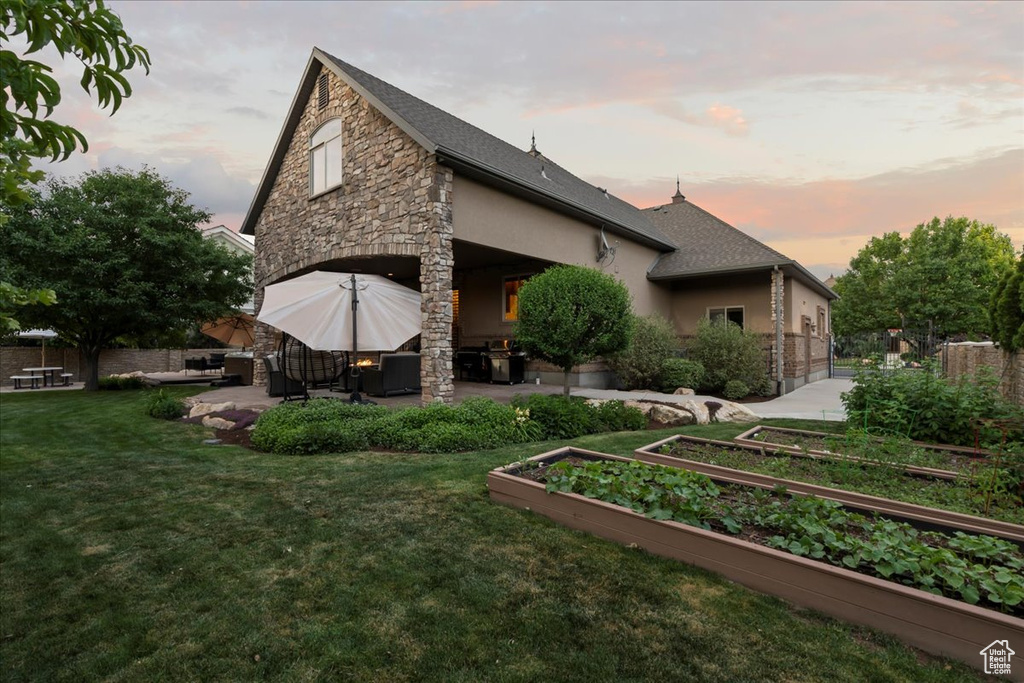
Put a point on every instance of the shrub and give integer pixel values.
(640, 365)
(727, 352)
(559, 417)
(735, 389)
(570, 314)
(616, 417)
(330, 425)
(680, 372)
(115, 383)
(919, 404)
(165, 407)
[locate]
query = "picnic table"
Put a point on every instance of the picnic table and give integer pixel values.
(46, 371)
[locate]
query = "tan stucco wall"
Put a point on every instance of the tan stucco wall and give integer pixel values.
(481, 302)
(490, 218)
(801, 300)
(691, 300)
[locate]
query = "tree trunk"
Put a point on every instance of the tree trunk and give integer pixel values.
(565, 383)
(92, 367)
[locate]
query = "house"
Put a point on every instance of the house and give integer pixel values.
(236, 244)
(367, 178)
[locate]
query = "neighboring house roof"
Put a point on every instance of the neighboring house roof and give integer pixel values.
(710, 246)
(470, 151)
(221, 233)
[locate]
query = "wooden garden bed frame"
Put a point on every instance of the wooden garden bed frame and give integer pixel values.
(747, 439)
(937, 624)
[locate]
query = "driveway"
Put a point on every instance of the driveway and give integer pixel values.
(814, 401)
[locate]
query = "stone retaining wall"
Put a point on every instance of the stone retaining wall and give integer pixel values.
(967, 358)
(112, 361)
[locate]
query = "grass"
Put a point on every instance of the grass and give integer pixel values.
(130, 551)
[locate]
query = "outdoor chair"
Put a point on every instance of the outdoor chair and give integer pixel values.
(398, 373)
(277, 383)
(198, 364)
(216, 361)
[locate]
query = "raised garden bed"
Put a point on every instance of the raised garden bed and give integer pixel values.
(697, 454)
(917, 457)
(935, 623)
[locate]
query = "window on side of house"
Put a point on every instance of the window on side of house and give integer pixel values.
(325, 157)
(510, 297)
(733, 314)
(822, 322)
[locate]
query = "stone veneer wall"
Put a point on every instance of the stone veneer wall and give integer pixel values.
(394, 200)
(968, 357)
(112, 361)
(777, 293)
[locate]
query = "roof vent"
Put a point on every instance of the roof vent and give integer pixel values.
(543, 174)
(322, 93)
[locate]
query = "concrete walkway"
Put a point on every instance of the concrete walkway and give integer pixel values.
(815, 401)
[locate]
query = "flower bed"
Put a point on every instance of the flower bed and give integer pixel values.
(914, 456)
(798, 548)
(893, 491)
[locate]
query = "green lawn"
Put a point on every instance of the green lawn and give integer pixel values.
(129, 551)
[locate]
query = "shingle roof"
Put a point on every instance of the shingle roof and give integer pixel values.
(706, 243)
(468, 149)
(454, 138)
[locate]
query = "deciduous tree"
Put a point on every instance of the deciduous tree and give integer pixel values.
(568, 315)
(942, 275)
(123, 252)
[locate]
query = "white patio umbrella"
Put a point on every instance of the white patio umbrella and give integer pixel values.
(343, 311)
(42, 335)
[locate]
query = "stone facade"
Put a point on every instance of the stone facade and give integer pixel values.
(968, 358)
(112, 361)
(777, 293)
(394, 200)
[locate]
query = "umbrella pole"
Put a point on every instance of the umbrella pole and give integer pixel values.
(355, 397)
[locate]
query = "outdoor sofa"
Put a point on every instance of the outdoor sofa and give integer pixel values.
(398, 373)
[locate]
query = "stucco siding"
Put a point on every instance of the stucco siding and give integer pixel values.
(487, 217)
(801, 301)
(691, 300)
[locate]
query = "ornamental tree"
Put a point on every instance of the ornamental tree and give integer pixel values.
(1007, 309)
(568, 315)
(123, 252)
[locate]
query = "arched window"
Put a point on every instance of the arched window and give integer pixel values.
(325, 157)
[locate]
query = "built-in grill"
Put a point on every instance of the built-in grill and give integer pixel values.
(496, 364)
(508, 366)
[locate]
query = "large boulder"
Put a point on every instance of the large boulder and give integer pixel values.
(201, 409)
(671, 417)
(683, 391)
(735, 412)
(643, 406)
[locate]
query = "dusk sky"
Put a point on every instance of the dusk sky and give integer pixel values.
(811, 126)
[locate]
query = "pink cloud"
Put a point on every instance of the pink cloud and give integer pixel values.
(836, 214)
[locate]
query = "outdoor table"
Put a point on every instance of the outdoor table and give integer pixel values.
(44, 371)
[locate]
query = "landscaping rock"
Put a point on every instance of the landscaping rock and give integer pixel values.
(735, 412)
(200, 409)
(211, 442)
(642, 406)
(698, 410)
(671, 417)
(217, 423)
(683, 391)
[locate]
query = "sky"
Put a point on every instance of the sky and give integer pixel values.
(810, 126)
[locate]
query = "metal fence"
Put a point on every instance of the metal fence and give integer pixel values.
(893, 348)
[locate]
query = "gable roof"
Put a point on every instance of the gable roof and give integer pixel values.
(710, 246)
(469, 151)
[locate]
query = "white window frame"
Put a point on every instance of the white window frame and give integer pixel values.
(725, 313)
(325, 144)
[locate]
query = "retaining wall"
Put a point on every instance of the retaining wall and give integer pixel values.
(966, 358)
(112, 361)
